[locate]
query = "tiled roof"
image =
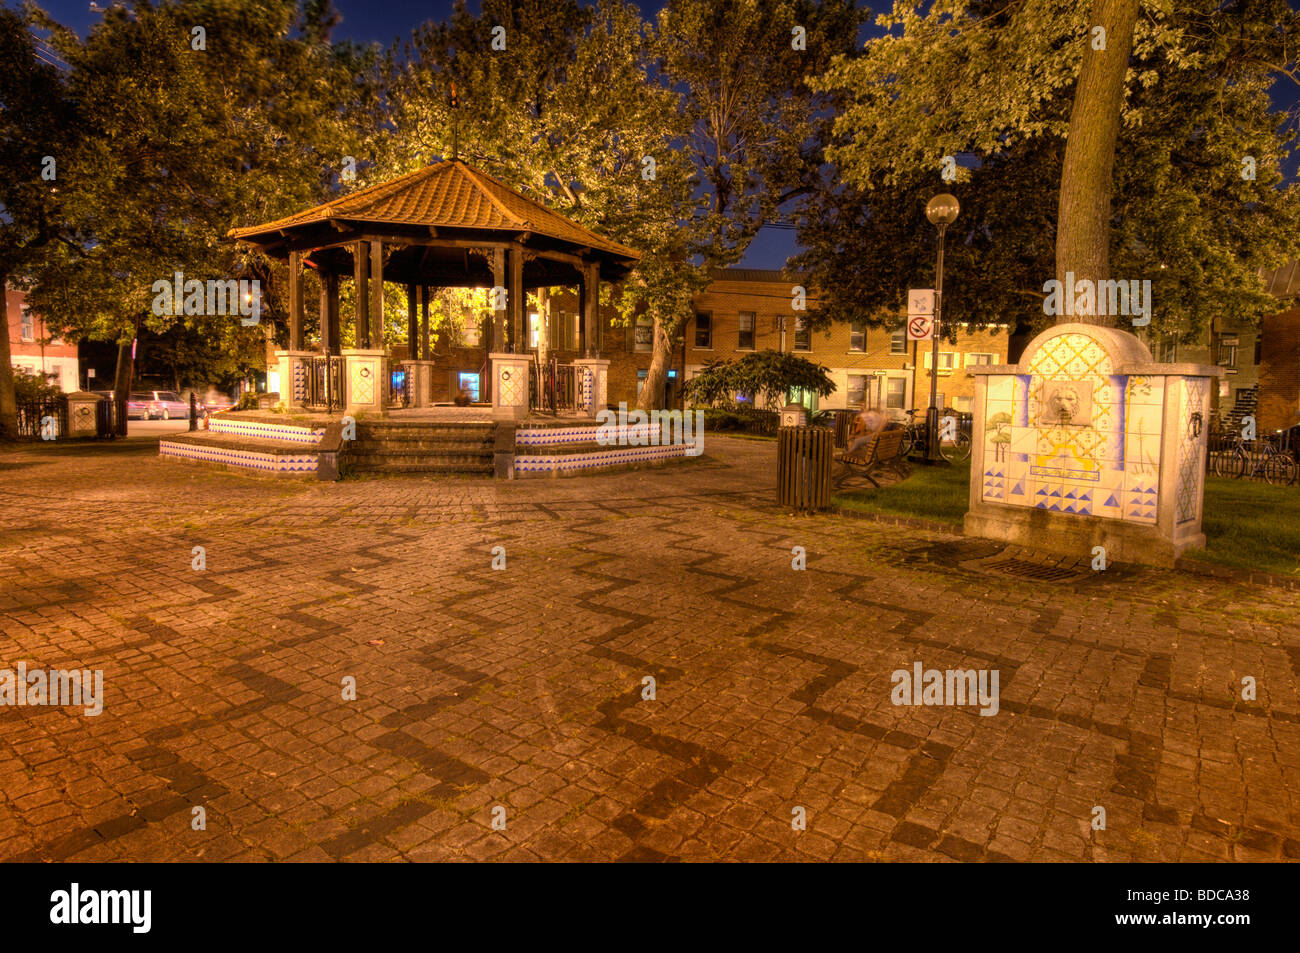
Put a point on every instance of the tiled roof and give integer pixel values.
(447, 194)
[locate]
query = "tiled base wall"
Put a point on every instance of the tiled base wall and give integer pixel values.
(571, 463)
(258, 430)
(273, 463)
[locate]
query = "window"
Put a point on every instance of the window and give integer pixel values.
(857, 336)
(1259, 339)
(641, 376)
(896, 393)
(704, 331)
(28, 326)
(964, 404)
(1227, 355)
(564, 330)
(977, 359)
(645, 333)
(947, 360)
(857, 394)
(802, 336)
(898, 342)
(745, 339)
(534, 329)
(1167, 350)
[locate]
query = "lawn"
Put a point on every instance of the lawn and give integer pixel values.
(1248, 525)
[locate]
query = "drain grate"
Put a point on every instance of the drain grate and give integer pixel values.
(1031, 570)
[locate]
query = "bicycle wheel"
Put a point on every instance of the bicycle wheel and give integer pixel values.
(956, 449)
(1230, 463)
(909, 441)
(1279, 470)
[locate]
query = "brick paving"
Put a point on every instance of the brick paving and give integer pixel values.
(523, 689)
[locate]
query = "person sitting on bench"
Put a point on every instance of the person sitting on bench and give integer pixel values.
(866, 426)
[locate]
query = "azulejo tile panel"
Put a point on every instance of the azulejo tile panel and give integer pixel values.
(1191, 448)
(247, 459)
(576, 462)
(266, 431)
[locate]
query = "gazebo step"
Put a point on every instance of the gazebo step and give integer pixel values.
(446, 468)
(418, 446)
(419, 458)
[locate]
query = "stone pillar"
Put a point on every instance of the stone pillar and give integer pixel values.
(421, 382)
(794, 415)
(365, 380)
(1088, 443)
(293, 376)
(593, 385)
(509, 386)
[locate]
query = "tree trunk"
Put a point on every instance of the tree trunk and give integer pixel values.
(122, 382)
(1083, 215)
(652, 392)
(8, 401)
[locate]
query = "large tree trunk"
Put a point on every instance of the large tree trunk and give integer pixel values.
(652, 392)
(1083, 216)
(122, 382)
(8, 402)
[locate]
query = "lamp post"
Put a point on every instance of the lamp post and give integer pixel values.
(941, 211)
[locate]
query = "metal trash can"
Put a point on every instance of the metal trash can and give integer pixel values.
(803, 468)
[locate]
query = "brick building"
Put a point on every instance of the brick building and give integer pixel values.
(33, 350)
(742, 310)
(1279, 355)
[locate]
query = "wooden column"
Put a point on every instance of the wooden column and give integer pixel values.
(499, 317)
(361, 276)
(412, 322)
(582, 311)
(295, 301)
(377, 295)
(590, 308)
(329, 313)
(517, 301)
(425, 353)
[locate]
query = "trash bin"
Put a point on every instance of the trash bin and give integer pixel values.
(803, 469)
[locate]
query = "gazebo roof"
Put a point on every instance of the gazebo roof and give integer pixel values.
(448, 195)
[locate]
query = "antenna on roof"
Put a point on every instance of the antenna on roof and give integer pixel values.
(454, 103)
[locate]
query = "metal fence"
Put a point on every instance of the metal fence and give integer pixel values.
(552, 386)
(45, 418)
(324, 383)
(399, 385)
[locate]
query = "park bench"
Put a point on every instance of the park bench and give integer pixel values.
(882, 453)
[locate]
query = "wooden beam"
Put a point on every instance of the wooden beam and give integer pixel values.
(295, 301)
(412, 323)
(377, 294)
(361, 278)
(425, 353)
(590, 309)
(329, 313)
(499, 281)
(516, 300)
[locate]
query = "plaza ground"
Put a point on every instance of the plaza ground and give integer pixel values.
(523, 688)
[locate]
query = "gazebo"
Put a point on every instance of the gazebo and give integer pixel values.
(445, 225)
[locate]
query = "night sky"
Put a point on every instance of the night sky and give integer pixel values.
(387, 21)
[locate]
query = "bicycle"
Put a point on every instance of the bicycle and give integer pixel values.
(1277, 467)
(954, 442)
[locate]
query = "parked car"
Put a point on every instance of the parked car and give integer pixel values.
(140, 406)
(167, 404)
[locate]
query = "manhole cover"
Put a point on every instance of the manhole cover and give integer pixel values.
(1025, 569)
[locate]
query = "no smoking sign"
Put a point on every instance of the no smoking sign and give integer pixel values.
(920, 327)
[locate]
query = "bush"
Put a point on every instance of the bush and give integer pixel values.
(32, 387)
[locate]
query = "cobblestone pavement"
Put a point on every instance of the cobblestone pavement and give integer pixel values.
(523, 688)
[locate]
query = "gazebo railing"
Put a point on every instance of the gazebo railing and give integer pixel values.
(324, 382)
(399, 384)
(552, 386)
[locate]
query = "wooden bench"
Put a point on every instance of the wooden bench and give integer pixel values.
(882, 453)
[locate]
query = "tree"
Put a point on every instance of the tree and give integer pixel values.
(184, 136)
(768, 374)
(37, 121)
(1193, 106)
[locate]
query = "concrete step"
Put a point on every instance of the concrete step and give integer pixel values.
(421, 446)
(416, 468)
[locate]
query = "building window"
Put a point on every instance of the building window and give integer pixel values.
(641, 376)
(857, 336)
(704, 331)
(1259, 339)
(857, 395)
(898, 342)
(802, 336)
(974, 360)
(896, 393)
(28, 326)
(745, 339)
(645, 333)
(534, 329)
(1167, 350)
(1227, 355)
(947, 360)
(964, 404)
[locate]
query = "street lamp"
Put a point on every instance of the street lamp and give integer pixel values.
(941, 211)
